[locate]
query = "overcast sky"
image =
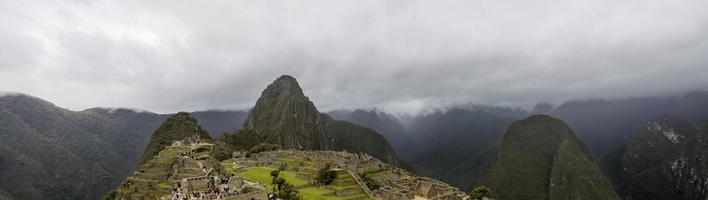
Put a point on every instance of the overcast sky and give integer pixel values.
(402, 56)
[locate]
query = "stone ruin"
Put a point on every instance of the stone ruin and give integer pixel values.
(399, 184)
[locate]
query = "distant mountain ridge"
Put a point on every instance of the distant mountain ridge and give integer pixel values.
(610, 123)
(39, 139)
(384, 123)
(607, 125)
(47, 151)
(469, 139)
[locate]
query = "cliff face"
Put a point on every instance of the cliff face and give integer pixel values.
(283, 115)
(540, 158)
(665, 159)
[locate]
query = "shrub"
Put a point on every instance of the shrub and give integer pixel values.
(326, 175)
(370, 183)
(263, 147)
(480, 192)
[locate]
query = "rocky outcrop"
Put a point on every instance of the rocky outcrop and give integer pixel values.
(665, 159)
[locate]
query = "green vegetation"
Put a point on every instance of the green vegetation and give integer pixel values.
(290, 170)
(48, 152)
(177, 127)
(540, 150)
(263, 175)
(284, 190)
(222, 151)
(480, 192)
(263, 147)
(662, 160)
(326, 175)
(149, 181)
(243, 140)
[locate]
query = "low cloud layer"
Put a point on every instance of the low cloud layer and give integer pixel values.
(400, 55)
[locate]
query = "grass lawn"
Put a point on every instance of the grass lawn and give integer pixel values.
(262, 174)
(317, 193)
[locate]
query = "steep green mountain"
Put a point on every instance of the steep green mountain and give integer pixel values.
(283, 115)
(177, 127)
(162, 164)
(50, 152)
(540, 158)
(665, 159)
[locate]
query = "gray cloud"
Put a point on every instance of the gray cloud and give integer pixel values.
(402, 56)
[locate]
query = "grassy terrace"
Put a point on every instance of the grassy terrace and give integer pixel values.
(148, 181)
(344, 181)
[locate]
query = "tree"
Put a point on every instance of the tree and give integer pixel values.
(279, 183)
(370, 183)
(480, 192)
(263, 147)
(287, 192)
(274, 174)
(222, 151)
(284, 189)
(243, 139)
(326, 175)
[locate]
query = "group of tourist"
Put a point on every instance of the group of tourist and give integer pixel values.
(212, 191)
(188, 154)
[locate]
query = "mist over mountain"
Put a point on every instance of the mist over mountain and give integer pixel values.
(610, 123)
(382, 122)
(42, 138)
(606, 126)
(469, 139)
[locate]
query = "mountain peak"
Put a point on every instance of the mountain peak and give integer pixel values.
(284, 116)
(540, 150)
(21, 99)
(177, 127)
(281, 100)
(285, 83)
(286, 77)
